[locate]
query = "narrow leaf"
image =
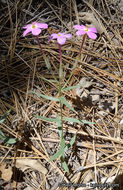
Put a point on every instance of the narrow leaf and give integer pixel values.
(60, 152)
(47, 80)
(62, 145)
(59, 124)
(47, 119)
(74, 120)
(2, 135)
(4, 117)
(70, 143)
(71, 87)
(64, 101)
(64, 165)
(46, 97)
(55, 156)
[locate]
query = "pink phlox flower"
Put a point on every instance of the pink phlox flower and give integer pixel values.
(85, 30)
(61, 37)
(35, 28)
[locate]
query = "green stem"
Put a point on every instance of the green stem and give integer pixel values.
(60, 88)
(61, 106)
(60, 68)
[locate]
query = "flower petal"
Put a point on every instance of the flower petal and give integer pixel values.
(94, 30)
(77, 27)
(42, 25)
(68, 35)
(80, 32)
(61, 40)
(91, 35)
(26, 31)
(83, 27)
(36, 31)
(61, 34)
(27, 26)
(54, 36)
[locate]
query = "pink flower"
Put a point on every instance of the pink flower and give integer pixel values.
(85, 30)
(61, 37)
(35, 28)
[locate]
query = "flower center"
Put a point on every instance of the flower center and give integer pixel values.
(59, 35)
(86, 29)
(33, 25)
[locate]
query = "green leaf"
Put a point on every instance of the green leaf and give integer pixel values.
(47, 119)
(64, 165)
(71, 119)
(5, 116)
(59, 124)
(62, 144)
(47, 80)
(55, 156)
(64, 101)
(70, 143)
(2, 135)
(10, 140)
(70, 88)
(73, 87)
(46, 97)
(74, 120)
(57, 120)
(2, 119)
(60, 152)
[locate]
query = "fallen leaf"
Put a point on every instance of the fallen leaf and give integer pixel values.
(6, 171)
(24, 164)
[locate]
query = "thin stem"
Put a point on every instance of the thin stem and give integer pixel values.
(83, 40)
(60, 68)
(60, 88)
(61, 106)
(42, 52)
(60, 54)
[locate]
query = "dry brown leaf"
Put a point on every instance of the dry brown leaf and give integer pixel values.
(24, 164)
(6, 172)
